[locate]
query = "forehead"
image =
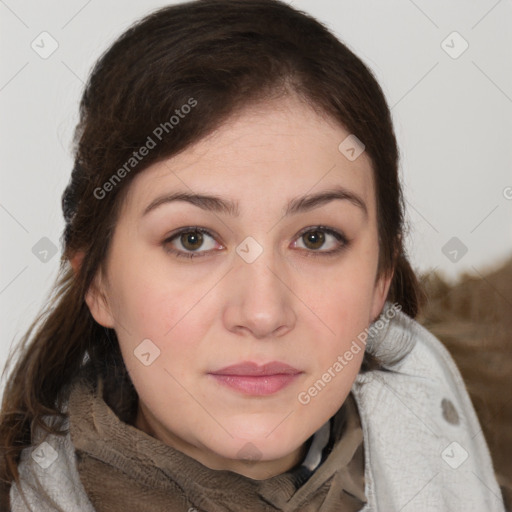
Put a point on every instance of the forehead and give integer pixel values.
(273, 151)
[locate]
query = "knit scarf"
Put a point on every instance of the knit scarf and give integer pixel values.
(123, 469)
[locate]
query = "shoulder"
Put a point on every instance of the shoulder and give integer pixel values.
(406, 346)
(418, 368)
(419, 424)
(48, 476)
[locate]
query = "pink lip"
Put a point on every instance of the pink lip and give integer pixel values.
(251, 379)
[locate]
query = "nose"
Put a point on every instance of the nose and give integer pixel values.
(260, 300)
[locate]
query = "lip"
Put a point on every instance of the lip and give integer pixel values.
(253, 369)
(251, 379)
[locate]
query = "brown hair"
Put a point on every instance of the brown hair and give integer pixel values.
(224, 55)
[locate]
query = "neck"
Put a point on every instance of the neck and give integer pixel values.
(257, 470)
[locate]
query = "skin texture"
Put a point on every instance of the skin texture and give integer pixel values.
(292, 304)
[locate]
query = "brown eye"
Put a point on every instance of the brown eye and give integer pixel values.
(197, 242)
(314, 239)
(187, 242)
(321, 241)
(191, 240)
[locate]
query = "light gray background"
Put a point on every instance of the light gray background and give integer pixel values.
(453, 120)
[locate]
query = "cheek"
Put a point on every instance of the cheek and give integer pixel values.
(342, 303)
(342, 309)
(172, 312)
(162, 332)
(151, 302)
(324, 393)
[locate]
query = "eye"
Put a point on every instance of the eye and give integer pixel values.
(316, 237)
(191, 239)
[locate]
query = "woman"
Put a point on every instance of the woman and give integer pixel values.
(234, 325)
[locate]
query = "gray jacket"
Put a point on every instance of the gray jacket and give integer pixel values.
(424, 447)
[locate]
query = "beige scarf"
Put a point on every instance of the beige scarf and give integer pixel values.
(123, 469)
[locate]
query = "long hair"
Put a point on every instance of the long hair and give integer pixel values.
(219, 56)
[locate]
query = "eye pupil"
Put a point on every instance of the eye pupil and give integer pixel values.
(191, 238)
(317, 239)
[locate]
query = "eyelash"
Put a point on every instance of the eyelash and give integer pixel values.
(309, 252)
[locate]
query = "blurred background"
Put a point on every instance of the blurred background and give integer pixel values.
(445, 69)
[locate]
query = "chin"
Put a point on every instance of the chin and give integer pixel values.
(253, 444)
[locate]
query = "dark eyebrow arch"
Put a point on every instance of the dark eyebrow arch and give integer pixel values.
(294, 206)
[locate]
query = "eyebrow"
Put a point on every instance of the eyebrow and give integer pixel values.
(229, 207)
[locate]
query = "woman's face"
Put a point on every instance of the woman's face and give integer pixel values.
(203, 293)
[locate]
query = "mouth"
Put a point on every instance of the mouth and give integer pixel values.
(251, 379)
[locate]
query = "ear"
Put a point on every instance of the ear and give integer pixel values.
(96, 297)
(379, 295)
(383, 284)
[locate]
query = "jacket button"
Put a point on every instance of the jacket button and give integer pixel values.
(449, 412)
